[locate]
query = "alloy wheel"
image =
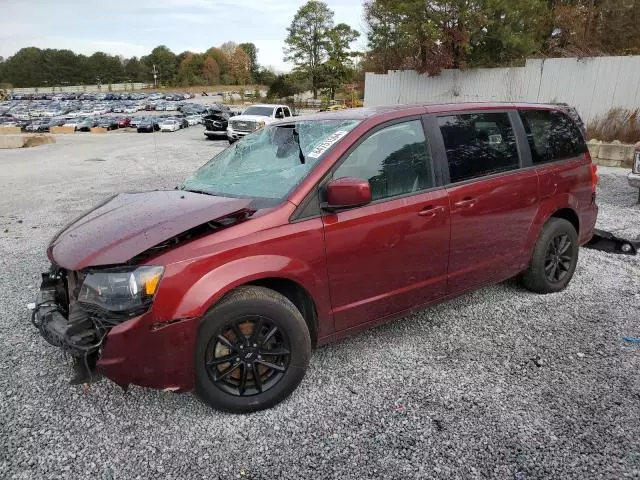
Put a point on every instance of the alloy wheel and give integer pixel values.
(558, 259)
(247, 356)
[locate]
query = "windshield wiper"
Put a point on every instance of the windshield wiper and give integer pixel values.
(296, 137)
(196, 191)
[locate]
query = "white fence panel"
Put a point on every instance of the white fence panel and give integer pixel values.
(593, 85)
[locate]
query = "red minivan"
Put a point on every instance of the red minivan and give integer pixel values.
(310, 230)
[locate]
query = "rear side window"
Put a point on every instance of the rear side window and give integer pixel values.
(552, 136)
(395, 160)
(478, 144)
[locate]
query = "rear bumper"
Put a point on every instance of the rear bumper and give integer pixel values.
(588, 219)
(634, 179)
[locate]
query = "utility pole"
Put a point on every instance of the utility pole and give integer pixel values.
(155, 76)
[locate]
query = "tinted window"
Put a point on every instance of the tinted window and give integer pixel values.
(287, 113)
(478, 144)
(395, 160)
(552, 136)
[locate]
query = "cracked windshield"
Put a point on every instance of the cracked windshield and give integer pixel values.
(270, 162)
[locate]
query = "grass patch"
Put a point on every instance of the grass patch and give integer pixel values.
(617, 124)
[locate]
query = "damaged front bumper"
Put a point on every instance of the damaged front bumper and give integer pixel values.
(138, 350)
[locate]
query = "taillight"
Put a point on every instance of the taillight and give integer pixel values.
(594, 178)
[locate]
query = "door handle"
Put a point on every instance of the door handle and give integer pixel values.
(431, 211)
(466, 202)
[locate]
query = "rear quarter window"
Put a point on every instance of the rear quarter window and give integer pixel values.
(552, 136)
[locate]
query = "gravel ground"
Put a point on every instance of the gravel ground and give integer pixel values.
(501, 383)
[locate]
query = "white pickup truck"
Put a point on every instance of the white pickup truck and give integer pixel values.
(253, 118)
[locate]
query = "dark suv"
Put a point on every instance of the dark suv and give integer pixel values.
(309, 230)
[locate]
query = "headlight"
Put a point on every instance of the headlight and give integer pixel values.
(260, 124)
(123, 290)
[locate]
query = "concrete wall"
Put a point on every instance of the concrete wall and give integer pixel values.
(115, 87)
(593, 85)
(614, 154)
(20, 141)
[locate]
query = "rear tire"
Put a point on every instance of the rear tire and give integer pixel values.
(554, 258)
(231, 373)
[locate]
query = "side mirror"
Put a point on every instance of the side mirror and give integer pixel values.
(346, 192)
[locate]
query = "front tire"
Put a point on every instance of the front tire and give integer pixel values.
(554, 258)
(252, 351)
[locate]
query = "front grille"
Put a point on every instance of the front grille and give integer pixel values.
(243, 126)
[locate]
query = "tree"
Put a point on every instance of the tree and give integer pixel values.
(306, 43)
(165, 62)
(134, 70)
(509, 32)
(229, 48)
(26, 68)
(239, 66)
(211, 71)
(252, 52)
(339, 68)
(593, 27)
(265, 76)
(286, 85)
(430, 36)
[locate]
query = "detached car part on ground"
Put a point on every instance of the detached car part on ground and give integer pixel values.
(310, 230)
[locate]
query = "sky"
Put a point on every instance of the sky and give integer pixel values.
(135, 27)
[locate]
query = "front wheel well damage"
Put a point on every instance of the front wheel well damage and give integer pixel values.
(299, 296)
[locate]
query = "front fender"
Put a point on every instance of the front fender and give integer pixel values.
(212, 286)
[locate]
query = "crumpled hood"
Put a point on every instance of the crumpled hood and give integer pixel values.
(131, 223)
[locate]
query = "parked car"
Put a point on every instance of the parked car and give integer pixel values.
(169, 125)
(193, 119)
(124, 122)
(110, 123)
(148, 124)
(254, 118)
(40, 125)
(216, 123)
(87, 124)
(135, 121)
(73, 122)
(310, 230)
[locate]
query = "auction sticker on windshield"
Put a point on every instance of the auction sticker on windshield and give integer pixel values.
(326, 144)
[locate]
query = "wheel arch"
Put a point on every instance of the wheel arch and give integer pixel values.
(298, 295)
(561, 206)
(569, 215)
